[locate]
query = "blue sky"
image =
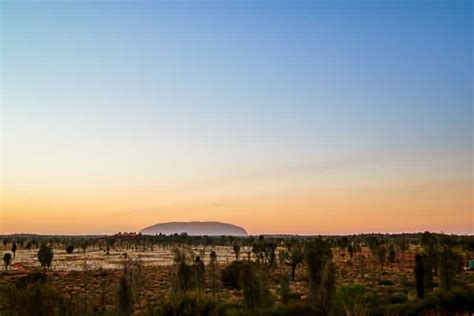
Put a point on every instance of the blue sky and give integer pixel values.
(152, 93)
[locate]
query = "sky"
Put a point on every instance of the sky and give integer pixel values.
(305, 117)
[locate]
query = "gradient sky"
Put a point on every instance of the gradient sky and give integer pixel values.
(281, 117)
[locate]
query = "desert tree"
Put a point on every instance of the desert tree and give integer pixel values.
(236, 248)
(295, 256)
(183, 273)
(450, 264)
(284, 279)
(321, 273)
(342, 243)
(428, 243)
(7, 259)
(350, 250)
(213, 264)
(391, 256)
(254, 288)
(270, 254)
(381, 253)
(199, 273)
(14, 247)
(84, 246)
(403, 245)
(45, 256)
(124, 301)
(419, 276)
(70, 249)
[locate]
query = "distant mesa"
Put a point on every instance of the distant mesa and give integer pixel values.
(195, 229)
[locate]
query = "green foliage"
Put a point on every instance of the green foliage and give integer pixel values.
(300, 308)
(451, 302)
(295, 256)
(450, 265)
(254, 287)
(284, 290)
(187, 276)
(321, 273)
(354, 299)
(186, 304)
(34, 296)
(230, 275)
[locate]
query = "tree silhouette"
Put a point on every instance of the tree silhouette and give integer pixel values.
(45, 256)
(236, 251)
(450, 264)
(70, 249)
(391, 255)
(419, 276)
(199, 270)
(381, 252)
(321, 272)
(7, 259)
(403, 245)
(255, 293)
(428, 242)
(213, 264)
(124, 305)
(295, 256)
(14, 247)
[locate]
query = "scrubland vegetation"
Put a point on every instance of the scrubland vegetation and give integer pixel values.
(133, 274)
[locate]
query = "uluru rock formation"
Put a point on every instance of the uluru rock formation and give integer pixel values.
(195, 229)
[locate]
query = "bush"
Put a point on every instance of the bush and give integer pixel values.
(70, 249)
(230, 275)
(29, 279)
(386, 283)
(34, 295)
(439, 303)
(397, 298)
(254, 287)
(293, 309)
(190, 303)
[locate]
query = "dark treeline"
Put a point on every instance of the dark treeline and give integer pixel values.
(139, 241)
(437, 262)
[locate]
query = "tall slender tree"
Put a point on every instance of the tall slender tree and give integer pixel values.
(419, 276)
(318, 259)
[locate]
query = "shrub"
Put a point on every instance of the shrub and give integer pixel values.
(7, 259)
(397, 298)
(230, 275)
(294, 309)
(256, 294)
(386, 283)
(33, 295)
(45, 256)
(70, 249)
(187, 304)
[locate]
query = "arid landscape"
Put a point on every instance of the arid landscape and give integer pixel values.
(236, 158)
(374, 274)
